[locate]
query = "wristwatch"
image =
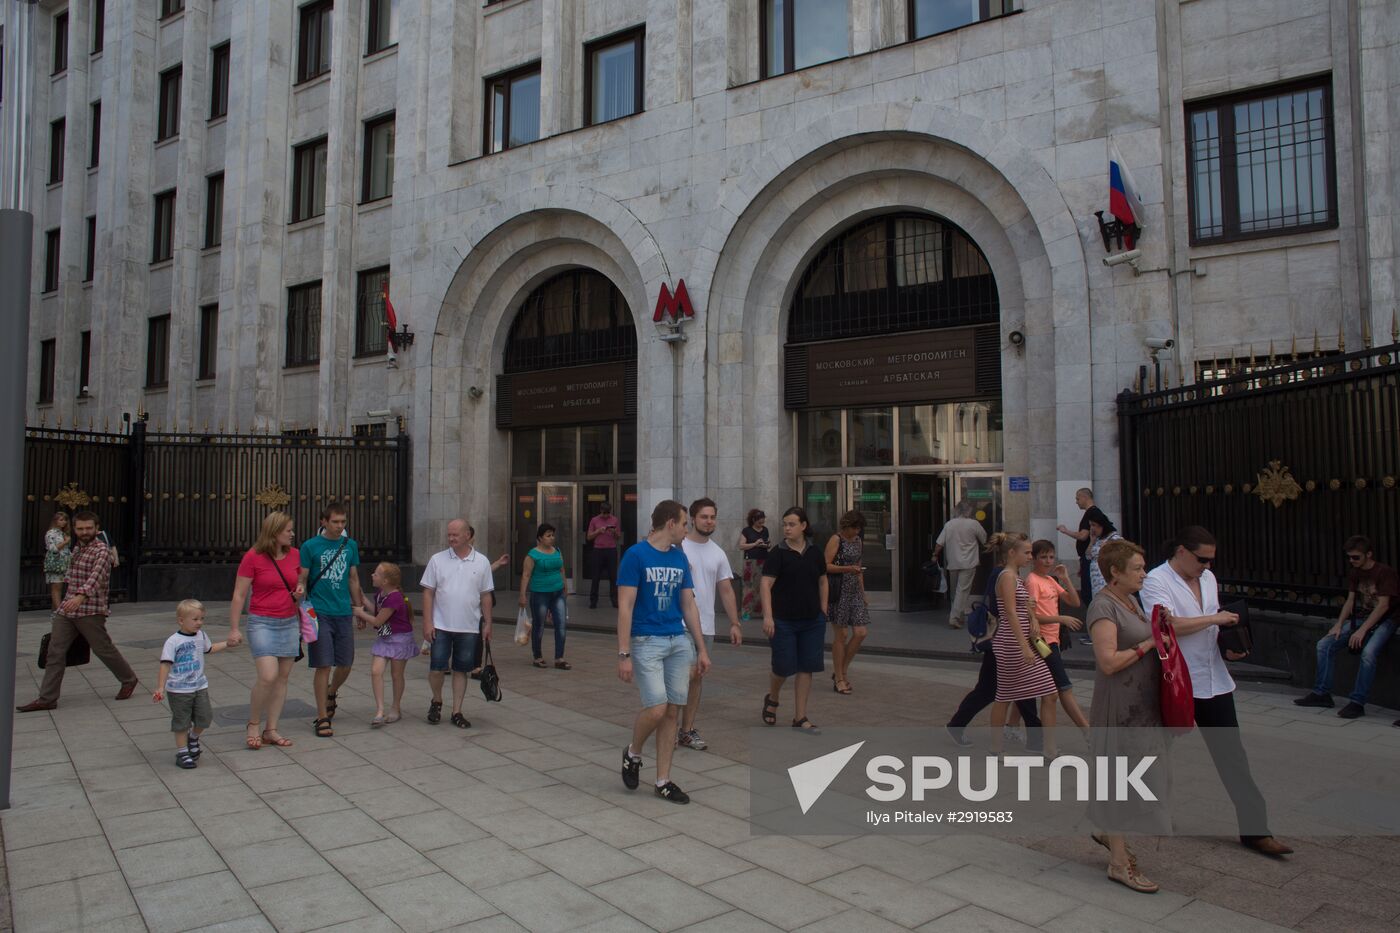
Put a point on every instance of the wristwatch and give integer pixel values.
(624, 654)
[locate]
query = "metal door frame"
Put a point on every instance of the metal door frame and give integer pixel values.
(880, 599)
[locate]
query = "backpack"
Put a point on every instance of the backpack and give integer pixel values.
(979, 619)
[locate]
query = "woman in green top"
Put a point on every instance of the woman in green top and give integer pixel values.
(542, 583)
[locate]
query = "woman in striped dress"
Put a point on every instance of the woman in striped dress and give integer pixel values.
(1021, 673)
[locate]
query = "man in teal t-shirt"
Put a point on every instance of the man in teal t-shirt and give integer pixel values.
(330, 573)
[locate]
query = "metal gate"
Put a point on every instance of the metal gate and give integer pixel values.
(1282, 464)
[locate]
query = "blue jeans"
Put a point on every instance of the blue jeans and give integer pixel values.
(553, 604)
(1330, 645)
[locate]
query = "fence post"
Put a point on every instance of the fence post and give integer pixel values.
(405, 464)
(136, 504)
(1129, 484)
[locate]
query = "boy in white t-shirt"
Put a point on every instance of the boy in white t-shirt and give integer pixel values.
(182, 677)
(709, 569)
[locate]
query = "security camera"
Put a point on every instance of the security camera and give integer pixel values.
(1017, 338)
(379, 413)
(1132, 255)
(474, 392)
(1160, 343)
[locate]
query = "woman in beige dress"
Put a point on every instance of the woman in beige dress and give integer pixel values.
(1126, 716)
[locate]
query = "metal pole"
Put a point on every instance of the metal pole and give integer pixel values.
(16, 245)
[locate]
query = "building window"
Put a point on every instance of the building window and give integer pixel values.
(513, 108)
(304, 325)
(574, 318)
(208, 341)
(1262, 163)
(370, 320)
(168, 119)
(163, 228)
(48, 353)
(95, 135)
(309, 180)
(90, 263)
(57, 132)
(158, 352)
(218, 81)
(84, 363)
(799, 33)
(383, 25)
(99, 24)
(379, 159)
(614, 84)
(214, 210)
(930, 17)
(51, 261)
(171, 7)
(60, 43)
(314, 44)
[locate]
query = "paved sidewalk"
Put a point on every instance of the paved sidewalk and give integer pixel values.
(522, 822)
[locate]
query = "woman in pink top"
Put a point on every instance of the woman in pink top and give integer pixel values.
(268, 572)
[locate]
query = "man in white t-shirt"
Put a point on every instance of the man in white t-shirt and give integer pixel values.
(960, 542)
(709, 569)
(457, 601)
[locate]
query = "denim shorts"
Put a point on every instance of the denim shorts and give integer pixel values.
(335, 642)
(798, 646)
(457, 647)
(661, 667)
(274, 638)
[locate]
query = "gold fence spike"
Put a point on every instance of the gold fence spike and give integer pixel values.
(1293, 349)
(1341, 340)
(1271, 353)
(1366, 333)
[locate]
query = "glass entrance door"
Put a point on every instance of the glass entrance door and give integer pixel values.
(558, 505)
(873, 496)
(821, 499)
(922, 512)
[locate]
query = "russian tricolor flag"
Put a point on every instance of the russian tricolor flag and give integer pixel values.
(1123, 201)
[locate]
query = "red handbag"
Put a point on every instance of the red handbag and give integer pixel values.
(1178, 704)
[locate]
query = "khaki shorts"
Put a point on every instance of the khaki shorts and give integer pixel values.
(190, 709)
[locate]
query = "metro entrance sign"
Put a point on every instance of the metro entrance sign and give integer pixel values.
(924, 367)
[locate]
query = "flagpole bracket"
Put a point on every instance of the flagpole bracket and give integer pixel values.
(1114, 232)
(403, 337)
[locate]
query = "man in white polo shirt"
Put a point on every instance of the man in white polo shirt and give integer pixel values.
(711, 574)
(457, 600)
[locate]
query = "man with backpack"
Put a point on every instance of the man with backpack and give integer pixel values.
(981, 625)
(330, 574)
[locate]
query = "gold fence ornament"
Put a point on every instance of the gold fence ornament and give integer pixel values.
(72, 498)
(1277, 485)
(273, 498)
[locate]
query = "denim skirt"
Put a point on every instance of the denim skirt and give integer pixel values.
(274, 638)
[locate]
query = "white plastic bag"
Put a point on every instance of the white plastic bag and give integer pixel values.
(941, 584)
(522, 627)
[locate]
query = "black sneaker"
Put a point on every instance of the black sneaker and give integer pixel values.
(631, 767)
(185, 760)
(1352, 711)
(669, 791)
(960, 740)
(1322, 700)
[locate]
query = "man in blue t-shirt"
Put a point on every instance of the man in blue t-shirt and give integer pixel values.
(655, 606)
(330, 573)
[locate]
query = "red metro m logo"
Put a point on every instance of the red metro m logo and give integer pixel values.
(673, 308)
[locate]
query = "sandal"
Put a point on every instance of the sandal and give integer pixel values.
(392, 717)
(806, 725)
(435, 712)
(460, 721)
(770, 710)
(254, 741)
(330, 706)
(563, 665)
(323, 728)
(541, 662)
(272, 738)
(837, 687)
(1129, 877)
(377, 721)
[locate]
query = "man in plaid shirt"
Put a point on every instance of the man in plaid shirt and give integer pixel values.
(83, 612)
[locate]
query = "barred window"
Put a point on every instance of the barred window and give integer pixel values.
(899, 272)
(370, 319)
(1262, 163)
(577, 317)
(304, 324)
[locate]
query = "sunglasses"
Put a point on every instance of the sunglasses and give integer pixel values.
(1203, 561)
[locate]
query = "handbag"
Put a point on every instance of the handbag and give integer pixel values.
(310, 628)
(1237, 637)
(490, 680)
(1178, 704)
(78, 654)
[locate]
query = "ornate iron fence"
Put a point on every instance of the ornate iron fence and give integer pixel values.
(199, 498)
(1281, 464)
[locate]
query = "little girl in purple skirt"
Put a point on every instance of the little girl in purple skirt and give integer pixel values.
(393, 615)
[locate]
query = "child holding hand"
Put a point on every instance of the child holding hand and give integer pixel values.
(182, 676)
(392, 616)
